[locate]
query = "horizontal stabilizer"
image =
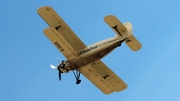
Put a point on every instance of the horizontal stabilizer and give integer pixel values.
(123, 30)
(133, 43)
(116, 25)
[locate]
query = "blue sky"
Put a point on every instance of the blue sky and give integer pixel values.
(152, 74)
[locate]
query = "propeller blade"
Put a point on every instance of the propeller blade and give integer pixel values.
(53, 67)
(58, 60)
(59, 76)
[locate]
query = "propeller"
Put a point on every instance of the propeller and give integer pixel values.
(58, 60)
(59, 76)
(61, 69)
(54, 67)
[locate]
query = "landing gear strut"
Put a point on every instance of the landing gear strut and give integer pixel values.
(62, 69)
(77, 76)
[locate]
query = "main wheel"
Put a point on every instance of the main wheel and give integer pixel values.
(78, 81)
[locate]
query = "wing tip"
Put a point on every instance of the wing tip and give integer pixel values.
(43, 8)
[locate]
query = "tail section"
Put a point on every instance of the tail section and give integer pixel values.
(133, 43)
(124, 31)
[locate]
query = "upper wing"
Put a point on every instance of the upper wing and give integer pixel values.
(62, 45)
(103, 78)
(55, 21)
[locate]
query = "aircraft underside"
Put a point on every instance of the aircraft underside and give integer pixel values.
(86, 60)
(90, 57)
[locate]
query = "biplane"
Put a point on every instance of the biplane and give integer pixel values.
(86, 60)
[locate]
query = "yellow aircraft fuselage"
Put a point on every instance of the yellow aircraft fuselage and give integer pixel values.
(86, 59)
(98, 50)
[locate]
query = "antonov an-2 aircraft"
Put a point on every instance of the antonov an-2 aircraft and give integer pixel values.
(82, 59)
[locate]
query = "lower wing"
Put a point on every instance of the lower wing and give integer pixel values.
(103, 78)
